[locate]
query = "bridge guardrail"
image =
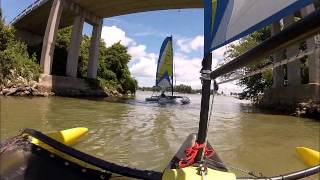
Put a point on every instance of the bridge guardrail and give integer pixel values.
(27, 10)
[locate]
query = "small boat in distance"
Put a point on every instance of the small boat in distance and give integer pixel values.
(164, 76)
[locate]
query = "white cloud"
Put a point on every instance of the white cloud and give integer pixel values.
(137, 52)
(219, 53)
(188, 45)
(188, 69)
(113, 34)
(143, 64)
(229, 87)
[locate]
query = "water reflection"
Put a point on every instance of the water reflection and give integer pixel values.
(146, 135)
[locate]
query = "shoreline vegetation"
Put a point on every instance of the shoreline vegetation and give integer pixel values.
(181, 88)
(20, 72)
(20, 66)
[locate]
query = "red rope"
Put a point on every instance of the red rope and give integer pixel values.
(191, 153)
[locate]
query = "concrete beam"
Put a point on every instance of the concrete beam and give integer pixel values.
(77, 9)
(35, 20)
(73, 54)
(28, 37)
(313, 59)
(50, 36)
(294, 74)
(94, 50)
(278, 72)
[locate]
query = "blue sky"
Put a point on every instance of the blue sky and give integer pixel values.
(143, 34)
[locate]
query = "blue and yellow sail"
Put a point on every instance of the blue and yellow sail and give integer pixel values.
(229, 20)
(164, 76)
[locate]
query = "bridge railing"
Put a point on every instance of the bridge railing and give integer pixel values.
(27, 10)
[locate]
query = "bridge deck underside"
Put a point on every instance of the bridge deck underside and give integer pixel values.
(36, 20)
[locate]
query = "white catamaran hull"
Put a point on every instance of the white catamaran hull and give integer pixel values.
(153, 99)
(167, 100)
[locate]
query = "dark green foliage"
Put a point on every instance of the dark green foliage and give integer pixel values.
(183, 89)
(113, 72)
(61, 52)
(84, 57)
(113, 66)
(14, 58)
(180, 88)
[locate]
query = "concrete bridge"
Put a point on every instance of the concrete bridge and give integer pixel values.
(292, 90)
(41, 20)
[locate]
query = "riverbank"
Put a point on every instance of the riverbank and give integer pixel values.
(56, 86)
(310, 109)
(20, 71)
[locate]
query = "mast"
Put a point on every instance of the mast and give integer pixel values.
(172, 67)
(205, 101)
(206, 83)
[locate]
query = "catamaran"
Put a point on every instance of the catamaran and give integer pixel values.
(34, 155)
(165, 74)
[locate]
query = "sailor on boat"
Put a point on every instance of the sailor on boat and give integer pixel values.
(163, 95)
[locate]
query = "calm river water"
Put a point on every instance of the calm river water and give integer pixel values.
(146, 135)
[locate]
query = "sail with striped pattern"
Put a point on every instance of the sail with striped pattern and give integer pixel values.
(229, 20)
(164, 77)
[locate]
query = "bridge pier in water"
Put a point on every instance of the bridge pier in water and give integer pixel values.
(69, 84)
(74, 50)
(288, 93)
(50, 36)
(80, 16)
(313, 59)
(94, 50)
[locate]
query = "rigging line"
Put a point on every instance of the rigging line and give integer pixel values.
(274, 65)
(209, 119)
(251, 173)
(212, 99)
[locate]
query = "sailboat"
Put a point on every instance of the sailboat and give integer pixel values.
(37, 156)
(165, 74)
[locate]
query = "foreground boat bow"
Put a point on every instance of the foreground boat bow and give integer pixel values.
(21, 159)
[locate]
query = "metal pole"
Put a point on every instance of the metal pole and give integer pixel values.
(205, 102)
(172, 67)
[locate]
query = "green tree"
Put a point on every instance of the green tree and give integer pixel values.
(15, 61)
(113, 72)
(183, 88)
(253, 85)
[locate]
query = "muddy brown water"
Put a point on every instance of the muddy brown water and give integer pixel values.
(146, 135)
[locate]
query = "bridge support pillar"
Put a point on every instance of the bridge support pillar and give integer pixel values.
(278, 72)
(293, 68)
(73, 54)
(314, 66)
(94, 50)
(313, 59)
(50, 36)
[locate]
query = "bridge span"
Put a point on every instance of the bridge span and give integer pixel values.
(41, 20)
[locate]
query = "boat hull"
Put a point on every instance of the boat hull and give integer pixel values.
(167, 100)
(23, 159)
(215, 167)
(308, 156)
(27, 158)
(153, 99)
